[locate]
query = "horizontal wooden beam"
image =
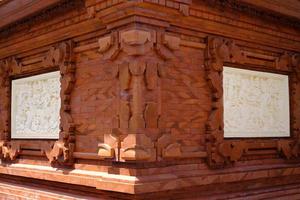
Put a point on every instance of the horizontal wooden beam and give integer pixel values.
(14, 10)
(289, 8)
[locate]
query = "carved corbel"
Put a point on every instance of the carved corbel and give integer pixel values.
(109, 46)
(233, 151)
(15, 65)
(166, 45)
(9, 150)
(283, 62)
(136, 42)
(184, 7)
(137, 147)
(289, 149)
(109, 148)
(168, 147)
(236, 55)
(61, 153)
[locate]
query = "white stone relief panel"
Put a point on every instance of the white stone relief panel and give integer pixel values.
(256, 104)
(35, 107)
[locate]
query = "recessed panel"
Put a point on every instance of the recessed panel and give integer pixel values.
(256, 104)
(35, 107)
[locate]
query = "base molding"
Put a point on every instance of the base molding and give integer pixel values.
(18, 180)
(153, 183)
(13, 187)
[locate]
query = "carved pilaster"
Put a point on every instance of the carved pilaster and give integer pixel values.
(223, 152)
(138, 89)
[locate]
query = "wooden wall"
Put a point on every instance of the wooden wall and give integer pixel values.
(142, 95)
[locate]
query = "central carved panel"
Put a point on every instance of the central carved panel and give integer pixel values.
(35, 107)
(256, 104)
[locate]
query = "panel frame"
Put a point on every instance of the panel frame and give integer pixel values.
(57, 57)
(227, 151)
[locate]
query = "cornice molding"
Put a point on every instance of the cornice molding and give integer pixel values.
(254, 10)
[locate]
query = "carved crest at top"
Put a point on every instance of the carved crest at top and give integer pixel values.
(138, 43)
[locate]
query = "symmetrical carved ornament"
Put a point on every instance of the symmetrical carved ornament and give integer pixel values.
(138, 43)
(223, 152)
(58, 57)
(139, 109)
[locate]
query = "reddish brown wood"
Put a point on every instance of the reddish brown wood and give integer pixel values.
(13, 11)
(145, 105)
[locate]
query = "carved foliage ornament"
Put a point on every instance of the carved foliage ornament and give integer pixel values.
(138, 43)
(223, 152)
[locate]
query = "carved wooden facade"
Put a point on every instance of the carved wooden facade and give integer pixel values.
(142, 98)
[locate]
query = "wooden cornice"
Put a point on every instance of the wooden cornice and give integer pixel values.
(15, 10)
(289, 8)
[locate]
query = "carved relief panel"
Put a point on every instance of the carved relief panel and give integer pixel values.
(35, 107)
(256, 104)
